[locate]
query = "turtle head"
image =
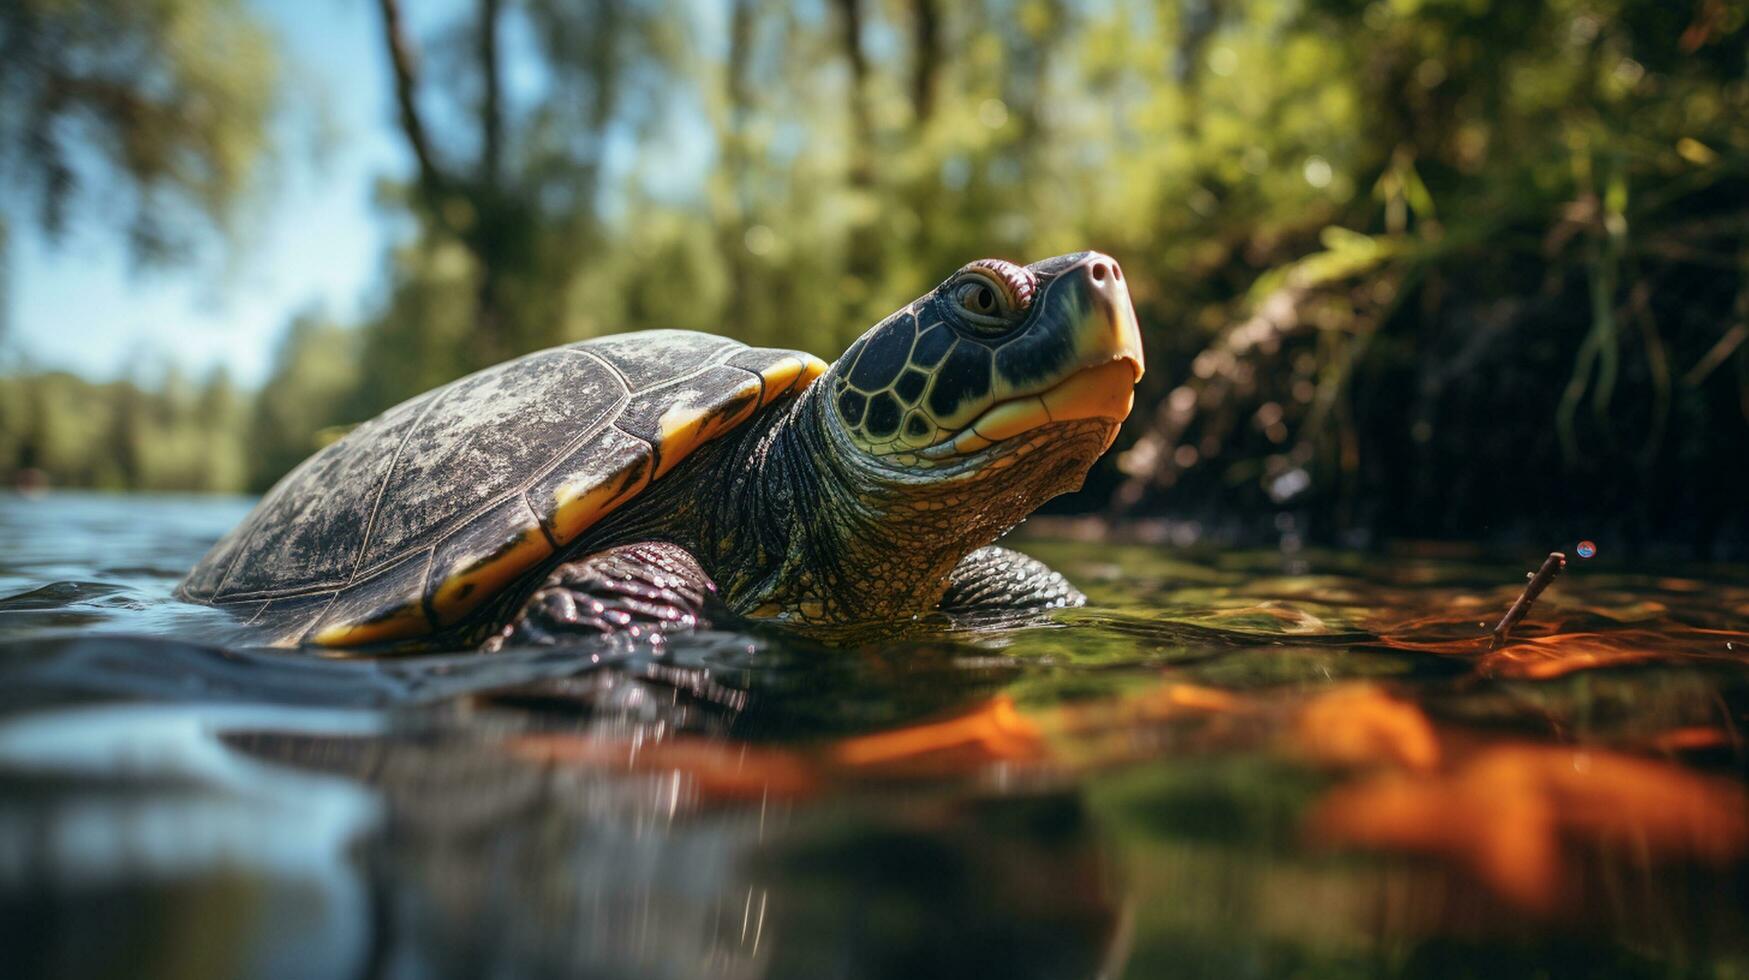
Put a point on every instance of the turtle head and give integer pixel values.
(995, 363)
(957, 416)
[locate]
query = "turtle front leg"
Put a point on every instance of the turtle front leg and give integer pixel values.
(644, 589)
(995, 579)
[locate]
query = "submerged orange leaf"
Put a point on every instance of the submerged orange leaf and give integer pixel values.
(1361, 725)
(993, 732)
(1154, 703)
(1512, 816)
(720, 771)
(1692, 738)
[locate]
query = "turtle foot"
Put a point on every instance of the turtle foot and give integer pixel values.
(636, 590)
(998, 580)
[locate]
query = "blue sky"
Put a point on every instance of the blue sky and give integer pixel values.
(312, 240)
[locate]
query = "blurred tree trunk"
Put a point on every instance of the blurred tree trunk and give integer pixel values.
(491, 102)
(125, 435)
(862, 259)
(478, 211)
(850, 14)
(928, 58)
(489, 243)
(735, 216)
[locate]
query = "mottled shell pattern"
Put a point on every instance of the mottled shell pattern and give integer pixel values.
(417, 517)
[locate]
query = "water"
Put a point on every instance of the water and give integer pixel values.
(1229, 765)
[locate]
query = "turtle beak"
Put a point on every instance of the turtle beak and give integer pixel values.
(1106, 362)
(1117, 335)
(1110, 350)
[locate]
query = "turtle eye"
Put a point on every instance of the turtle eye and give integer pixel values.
(982, 301)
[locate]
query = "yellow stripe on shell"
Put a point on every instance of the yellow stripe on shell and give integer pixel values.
(486, 576)
(682, 429)
(790, 374)
(576, 510)
(398, 623)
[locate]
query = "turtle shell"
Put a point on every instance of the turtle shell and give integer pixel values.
(417, 517)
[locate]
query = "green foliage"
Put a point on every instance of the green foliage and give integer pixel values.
(154, 116)
(1495, 335)
(61, 429)
(122, 436)
(156, 108)
(1424, 266)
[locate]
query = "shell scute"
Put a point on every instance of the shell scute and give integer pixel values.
(307, 532)
(482, 558)
(387, 607)
(490, 432)
(654, 357)
(599, 475)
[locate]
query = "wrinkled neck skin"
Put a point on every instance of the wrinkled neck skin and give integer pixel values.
(802, 527)
(798, 525)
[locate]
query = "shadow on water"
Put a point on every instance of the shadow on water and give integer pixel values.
(1226, 766)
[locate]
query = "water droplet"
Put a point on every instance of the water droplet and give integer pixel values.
(1586, 549)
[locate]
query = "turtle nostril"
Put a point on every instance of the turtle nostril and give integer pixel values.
(1098, 271)
(1117, 272)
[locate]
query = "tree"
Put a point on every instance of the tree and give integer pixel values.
(513, 187)
(154, 110)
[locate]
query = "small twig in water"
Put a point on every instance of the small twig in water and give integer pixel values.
(1552, 566)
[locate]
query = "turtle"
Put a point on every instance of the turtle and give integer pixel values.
(655, 481)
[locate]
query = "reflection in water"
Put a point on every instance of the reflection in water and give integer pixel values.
(1216, 770)
(492, 866)
(133, 843)
(424, 843)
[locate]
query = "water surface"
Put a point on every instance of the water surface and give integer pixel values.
(1228, 765)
